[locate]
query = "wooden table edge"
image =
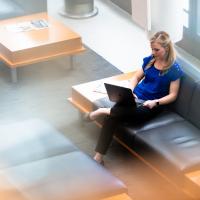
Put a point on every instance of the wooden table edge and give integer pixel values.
(77, 105)
(40, 59)
(122, 196)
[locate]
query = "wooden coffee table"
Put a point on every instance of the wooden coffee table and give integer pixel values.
(84, 95)
(26, 47)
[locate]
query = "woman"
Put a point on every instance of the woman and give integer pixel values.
(156, 84)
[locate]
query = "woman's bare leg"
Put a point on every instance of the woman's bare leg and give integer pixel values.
(98, 112)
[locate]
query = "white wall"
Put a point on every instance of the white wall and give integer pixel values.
(141, 13)
(157, 15)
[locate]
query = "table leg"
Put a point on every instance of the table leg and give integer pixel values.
(14, 75)
(81, 121)
(71, 58)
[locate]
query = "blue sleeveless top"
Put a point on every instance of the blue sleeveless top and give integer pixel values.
(155, 85)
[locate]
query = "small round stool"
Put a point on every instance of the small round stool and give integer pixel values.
(79, 9)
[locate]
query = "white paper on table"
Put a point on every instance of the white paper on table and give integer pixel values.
(28, 25)
(101, 87)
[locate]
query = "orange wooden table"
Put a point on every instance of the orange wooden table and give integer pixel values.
(85, 94)
(19, 48)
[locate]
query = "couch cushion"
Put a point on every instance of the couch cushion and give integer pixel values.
(194, 114)
(72, 176)
(9, 9)
(30, 140)
(127, 132)
(178, 143)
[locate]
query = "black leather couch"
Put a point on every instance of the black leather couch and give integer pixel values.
(38, 163)
(171, 141)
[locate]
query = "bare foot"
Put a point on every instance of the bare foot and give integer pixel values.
(98, 112)
(98, 157)
(91, 116)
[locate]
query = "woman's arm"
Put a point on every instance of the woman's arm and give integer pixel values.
(137, 77)
(173, 92)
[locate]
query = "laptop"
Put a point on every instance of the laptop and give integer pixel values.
(120, 94)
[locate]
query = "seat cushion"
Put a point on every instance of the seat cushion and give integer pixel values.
(178, 143)
(72, 176)
(30, 140)
(127, 132)
(9, 9)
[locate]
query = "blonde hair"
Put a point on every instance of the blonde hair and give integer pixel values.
(164, 40)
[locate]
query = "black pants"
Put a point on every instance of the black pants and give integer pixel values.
(120, 114)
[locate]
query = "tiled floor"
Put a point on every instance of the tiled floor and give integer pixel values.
(112, 34)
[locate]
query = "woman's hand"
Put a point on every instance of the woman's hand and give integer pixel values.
(150, 103)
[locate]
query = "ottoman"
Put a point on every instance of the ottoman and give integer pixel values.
(38, 163)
